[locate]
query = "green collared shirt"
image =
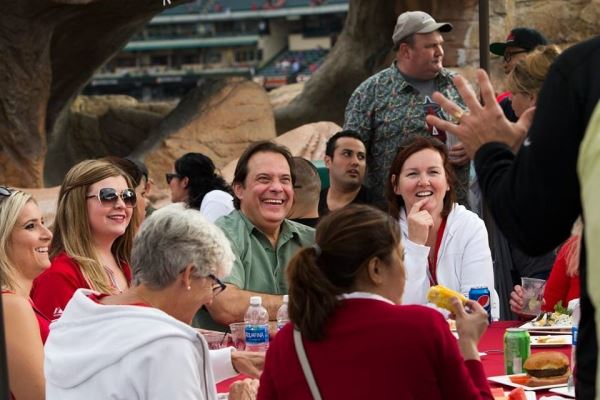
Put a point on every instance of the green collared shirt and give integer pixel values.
(386, 110)
(259, 266)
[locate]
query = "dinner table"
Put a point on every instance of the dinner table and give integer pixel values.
(491, 343)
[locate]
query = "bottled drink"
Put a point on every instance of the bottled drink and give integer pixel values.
(517, 347)
(481, 294)
(282, 313)
(574, 330)
(257, 326)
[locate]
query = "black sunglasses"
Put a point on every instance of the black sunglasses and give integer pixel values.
(108, 197)
(508, 55)
(5, 192)
(219, 286)
(170, 177)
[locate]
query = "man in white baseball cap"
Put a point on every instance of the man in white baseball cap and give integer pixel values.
(390, 107)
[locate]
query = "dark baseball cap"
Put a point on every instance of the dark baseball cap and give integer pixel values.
(525, 38)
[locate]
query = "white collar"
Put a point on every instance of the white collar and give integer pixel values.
(364, 295)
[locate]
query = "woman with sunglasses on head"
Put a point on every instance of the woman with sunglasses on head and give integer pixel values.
(196, 183)
(139, 344)
(93, 232)
(445, 243)
(360, 343)
(24, 241)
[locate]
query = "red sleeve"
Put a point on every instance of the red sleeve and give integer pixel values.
(459, 379)
(557, 286)
(53, 289)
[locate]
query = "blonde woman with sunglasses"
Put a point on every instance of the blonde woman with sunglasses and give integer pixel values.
(24, 241)
(93, 235)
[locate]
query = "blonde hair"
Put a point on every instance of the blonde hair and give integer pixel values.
(10, 210)
(72, 231)
(574, 250)
(528, 74)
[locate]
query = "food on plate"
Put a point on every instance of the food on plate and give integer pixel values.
(553, 319)
(561, 339)
(520, 379)
(547, 368)
(517, 394)
(441, 296)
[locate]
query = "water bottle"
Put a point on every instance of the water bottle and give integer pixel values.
(574, 330)
(282, 314)
(257, 326)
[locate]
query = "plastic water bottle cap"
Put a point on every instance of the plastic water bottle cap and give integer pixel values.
(285, 299)
(256, 300)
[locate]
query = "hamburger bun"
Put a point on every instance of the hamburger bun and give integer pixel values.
(547, 368)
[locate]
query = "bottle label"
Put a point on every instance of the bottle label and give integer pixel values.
(257, 334)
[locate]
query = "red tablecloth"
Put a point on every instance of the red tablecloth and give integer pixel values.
(491, 343)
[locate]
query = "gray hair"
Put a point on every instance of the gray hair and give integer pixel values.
(174, 237)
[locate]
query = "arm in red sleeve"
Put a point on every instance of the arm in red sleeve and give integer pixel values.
(557, 285)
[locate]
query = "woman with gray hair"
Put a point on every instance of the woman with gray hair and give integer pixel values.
(138, 344)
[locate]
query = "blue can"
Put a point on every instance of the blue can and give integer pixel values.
(481, 294)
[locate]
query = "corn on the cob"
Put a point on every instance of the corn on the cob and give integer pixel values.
(441, 295)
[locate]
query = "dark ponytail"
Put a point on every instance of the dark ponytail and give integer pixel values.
(346, 240)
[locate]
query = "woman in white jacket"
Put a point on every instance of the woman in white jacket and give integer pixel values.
(138, 344)
(444, 242)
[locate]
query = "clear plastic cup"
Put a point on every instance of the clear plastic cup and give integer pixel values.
(533, 294)
(238, 335)
(215, 340)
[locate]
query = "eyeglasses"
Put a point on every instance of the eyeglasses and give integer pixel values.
(508, 55)
(170, 177)
(219, 286)
(108, 197)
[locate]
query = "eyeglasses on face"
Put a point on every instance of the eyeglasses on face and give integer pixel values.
(170, 177)
(108, 197)
(219, 286)
(508, 55)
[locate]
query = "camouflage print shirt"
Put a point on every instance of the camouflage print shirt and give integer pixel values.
(386, 110)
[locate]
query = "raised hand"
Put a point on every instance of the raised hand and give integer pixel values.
(419, 222)
(482, 123)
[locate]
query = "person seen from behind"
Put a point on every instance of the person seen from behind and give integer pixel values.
(344, 305)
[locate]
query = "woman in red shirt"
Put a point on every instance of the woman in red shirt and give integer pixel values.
(344, 296)
(93, 235)
(24, 241)
(563, 282)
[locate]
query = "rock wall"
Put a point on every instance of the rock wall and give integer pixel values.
(219, 118)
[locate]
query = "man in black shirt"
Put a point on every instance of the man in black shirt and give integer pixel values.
(346, 159)
(534, 195)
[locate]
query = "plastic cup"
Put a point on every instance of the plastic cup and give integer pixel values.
(238, 335)
(215, 340)
(533, 293)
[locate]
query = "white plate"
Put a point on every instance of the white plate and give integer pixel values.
(505, 380)
(564, 391)
(551, 340)
(530, 327)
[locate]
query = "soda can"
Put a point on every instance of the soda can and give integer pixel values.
(481, 294)
(517, 347)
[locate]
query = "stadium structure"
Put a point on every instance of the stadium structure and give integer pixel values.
(273, 42)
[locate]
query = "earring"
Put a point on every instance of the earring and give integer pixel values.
(189, 287)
